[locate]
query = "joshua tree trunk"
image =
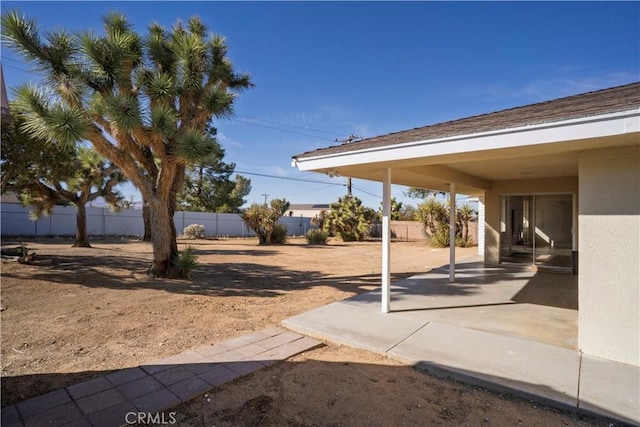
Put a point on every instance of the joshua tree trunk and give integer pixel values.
(82, 240)
(163, 236)
(162, 205)
(146, 218)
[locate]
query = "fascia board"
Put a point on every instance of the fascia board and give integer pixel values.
(547, 133)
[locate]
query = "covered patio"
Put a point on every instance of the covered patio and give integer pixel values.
(557, 189)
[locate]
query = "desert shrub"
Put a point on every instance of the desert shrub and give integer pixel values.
(464, 243)
(186, 261)
(440, 238)
(316, 237)
(194, 231)
(279, 234)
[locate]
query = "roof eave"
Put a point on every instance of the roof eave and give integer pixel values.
(545, 133)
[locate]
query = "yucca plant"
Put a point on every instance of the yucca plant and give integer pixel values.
(279, 234)
(186, 260)
(316, 237)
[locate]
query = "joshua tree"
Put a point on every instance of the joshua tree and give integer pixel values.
(44, 175)
(349, 219)
(263, 220)
(143, 102)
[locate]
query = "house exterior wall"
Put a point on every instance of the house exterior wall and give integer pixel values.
(609, 260)
(512, 187)
(305, 213)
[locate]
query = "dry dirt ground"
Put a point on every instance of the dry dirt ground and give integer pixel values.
(78, 313)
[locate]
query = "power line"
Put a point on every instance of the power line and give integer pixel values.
(366, 192)
(242, 116)
(315, 190)
(288, 125)
(289, 178)
(278, 129)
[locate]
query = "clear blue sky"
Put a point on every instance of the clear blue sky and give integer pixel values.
(323, 70)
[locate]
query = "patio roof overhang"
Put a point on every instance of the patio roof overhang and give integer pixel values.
(474, 160)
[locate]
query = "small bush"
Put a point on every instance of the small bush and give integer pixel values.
(194, 231)
(186, 261)
(440, 239)
(279, 234)
(316, 237)
(464, 243)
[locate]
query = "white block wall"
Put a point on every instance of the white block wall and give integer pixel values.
(15, 221)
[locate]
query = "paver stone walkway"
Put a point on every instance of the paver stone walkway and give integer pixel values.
(117, 398)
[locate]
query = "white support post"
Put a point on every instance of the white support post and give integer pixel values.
(481, 225)
(386, 242)
(574, 233)
(452, 232)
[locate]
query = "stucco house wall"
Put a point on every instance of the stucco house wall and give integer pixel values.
(513, 187)
(609, 261)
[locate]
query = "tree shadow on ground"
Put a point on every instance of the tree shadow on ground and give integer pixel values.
(116, 270)
(210, 279)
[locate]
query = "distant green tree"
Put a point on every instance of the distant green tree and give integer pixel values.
(44, 175)
(263, 220)
(349, 219)
(408, 213)
(396, 209)
(208, 187)
(422, 193)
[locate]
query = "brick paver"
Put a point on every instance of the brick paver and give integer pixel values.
(10, 417)
(87, 388)
(157, 385)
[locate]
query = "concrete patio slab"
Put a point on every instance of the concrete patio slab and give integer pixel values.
(355, 326)
(507, 330)
(610, 388)
(517, 365)
(526, 303)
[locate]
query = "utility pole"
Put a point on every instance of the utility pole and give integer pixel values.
(348, 140)
(265, 198)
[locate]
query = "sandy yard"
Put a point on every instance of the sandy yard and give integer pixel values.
(78, 313)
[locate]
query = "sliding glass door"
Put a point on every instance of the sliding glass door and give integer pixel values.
(537, 229)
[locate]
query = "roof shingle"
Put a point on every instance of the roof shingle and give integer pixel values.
(599, 102)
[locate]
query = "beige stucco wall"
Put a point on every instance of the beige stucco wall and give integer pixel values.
(609, 254)
(521, 186)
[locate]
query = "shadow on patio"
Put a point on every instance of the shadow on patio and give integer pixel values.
(530, 304)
